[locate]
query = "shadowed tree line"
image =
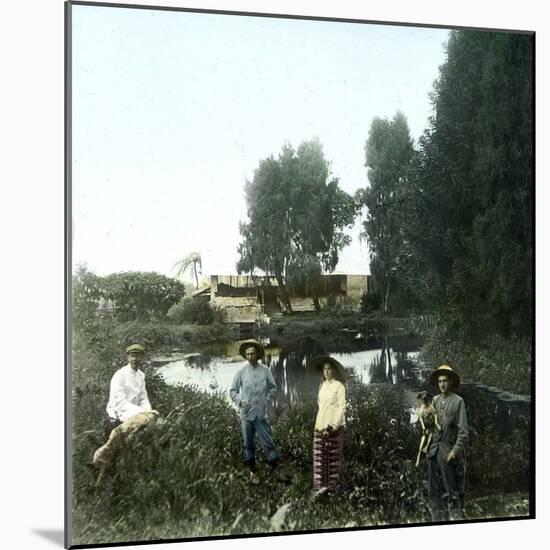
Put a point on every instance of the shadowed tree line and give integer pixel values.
(448, 219)
(449, 223)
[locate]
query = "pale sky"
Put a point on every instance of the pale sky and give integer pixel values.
(173, 111)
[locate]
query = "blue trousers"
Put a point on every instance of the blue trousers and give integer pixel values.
(249, 430)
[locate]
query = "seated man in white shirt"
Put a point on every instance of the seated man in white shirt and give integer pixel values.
(128, 404)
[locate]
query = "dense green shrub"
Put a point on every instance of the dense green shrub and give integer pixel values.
(339, 307)
(126, 296)
(141, 296)
(155, 335)
(370, 301)
(195, 311)
(496, 361)
(498, 446)
(87, 291)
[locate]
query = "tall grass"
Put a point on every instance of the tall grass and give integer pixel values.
(184, 478)
(496, 361)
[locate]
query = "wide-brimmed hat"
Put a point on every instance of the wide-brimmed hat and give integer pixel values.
(136, 348)
(317, 364)
(251, 344)
(448, 371)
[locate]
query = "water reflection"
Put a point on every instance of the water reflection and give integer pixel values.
(386, 363)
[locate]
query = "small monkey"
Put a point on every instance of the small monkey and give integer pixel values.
(428, 420)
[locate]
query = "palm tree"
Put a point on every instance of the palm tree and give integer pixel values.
(191, 260)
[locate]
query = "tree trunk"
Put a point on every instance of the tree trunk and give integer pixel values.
(316, 302)
(386, 296)
(383, 360)
(196, 277)
(284, 294)
(390, 367)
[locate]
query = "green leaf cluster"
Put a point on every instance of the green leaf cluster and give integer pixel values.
(471, 209)
(450, 224)
(125, 296)
(297, 214)
(195, 311)
(389, 154)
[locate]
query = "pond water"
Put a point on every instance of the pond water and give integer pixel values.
(213, 371)
(391, 360)
(493, 420)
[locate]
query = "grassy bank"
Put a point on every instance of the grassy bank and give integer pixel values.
(184, 478)
(307, 324)
(497, 361)
(492, 360)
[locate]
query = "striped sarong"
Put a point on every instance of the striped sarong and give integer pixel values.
(328, 460)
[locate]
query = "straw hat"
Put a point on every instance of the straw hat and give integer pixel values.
(317, 364)
(448, 371)
(251, 344)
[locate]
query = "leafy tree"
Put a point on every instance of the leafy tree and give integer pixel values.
(141, 296)
(469, 210)
(87, 291)
(189, 262)
(297, 216)
(265, 238)
(389, 152)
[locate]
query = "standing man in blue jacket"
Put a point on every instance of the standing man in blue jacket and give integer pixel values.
(252, 387)
(446, 454)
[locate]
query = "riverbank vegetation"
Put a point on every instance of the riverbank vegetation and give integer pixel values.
(505, 363)
(448, 218)
(449, 222)
(196, 312)
(184, 477)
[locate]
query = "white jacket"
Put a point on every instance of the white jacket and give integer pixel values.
(127, 396)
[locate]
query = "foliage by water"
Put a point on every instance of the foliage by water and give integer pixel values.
(184, 478)
(496, 361)
(450, 227)
(195, 311)
(334, 329)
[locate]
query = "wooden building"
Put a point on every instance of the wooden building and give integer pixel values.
(248, 300)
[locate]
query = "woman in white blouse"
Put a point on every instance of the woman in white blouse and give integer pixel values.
(328, 437)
